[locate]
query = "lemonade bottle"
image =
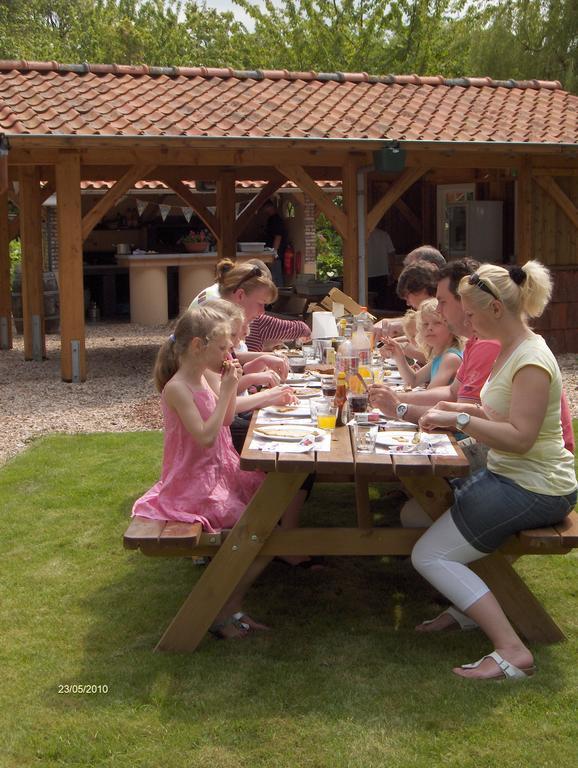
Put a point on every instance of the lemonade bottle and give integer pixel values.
(362, 345)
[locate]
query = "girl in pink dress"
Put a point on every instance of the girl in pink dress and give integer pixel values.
(201, 479)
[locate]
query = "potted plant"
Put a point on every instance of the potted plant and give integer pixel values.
(196, 241)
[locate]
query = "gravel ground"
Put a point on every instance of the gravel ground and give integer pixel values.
(119, 393)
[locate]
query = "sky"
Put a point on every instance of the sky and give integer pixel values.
(229, 5)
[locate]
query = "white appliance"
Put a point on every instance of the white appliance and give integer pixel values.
(469, 227)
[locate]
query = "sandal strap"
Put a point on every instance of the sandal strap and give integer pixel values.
(510, 671)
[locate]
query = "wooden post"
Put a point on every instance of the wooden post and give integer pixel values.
(524, 214)
(350, 241)
(227, 243)
(69, 212)
(5, 302)
(32, 268)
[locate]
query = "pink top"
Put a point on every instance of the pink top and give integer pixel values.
(479, 356)
(198, 484)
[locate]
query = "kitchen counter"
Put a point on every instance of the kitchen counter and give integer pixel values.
(148, 280)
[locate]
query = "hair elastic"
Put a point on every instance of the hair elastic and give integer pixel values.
(517, 274)
(172, 338)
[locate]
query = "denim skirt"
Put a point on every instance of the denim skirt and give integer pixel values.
(488, 508)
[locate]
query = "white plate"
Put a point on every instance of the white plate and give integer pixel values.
(395, 438)
(286, 433)
(305, 377)
(306, 392)
(288, 410)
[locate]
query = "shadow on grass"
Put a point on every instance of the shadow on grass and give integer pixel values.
(342, 643)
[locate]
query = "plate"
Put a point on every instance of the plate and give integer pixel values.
(304, 392)
(286, 432)
(396, 438)
(293, 378)
(287, 410)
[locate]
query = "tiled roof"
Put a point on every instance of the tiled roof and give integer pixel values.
(88, 99)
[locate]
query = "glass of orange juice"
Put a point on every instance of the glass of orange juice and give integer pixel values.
(326, 414)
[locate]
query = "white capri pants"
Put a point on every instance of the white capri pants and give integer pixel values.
(439, 556)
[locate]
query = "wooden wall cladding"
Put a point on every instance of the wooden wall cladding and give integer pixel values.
(554, 238)
(559, 323)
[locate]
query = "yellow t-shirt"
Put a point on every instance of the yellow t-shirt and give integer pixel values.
(547, 468)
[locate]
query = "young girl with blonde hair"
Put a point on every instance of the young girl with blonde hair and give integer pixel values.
(530, 481)
(441, 347)
(201, 479)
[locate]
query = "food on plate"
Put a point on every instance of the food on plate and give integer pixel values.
(285, 408)
(306, 392)
(416, 438)
(293, 433)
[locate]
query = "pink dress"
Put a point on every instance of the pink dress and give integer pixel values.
(198, 484)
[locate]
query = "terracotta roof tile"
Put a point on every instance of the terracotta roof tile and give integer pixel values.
(88, 99)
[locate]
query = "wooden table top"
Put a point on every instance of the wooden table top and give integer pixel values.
(342, 460)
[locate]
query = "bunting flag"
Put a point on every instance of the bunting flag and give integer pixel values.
(141, 206)
(187, 213)
(165, 210)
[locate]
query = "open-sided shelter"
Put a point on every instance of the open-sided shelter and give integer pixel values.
(392, 141)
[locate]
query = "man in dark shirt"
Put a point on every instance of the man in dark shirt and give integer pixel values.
(275, 237)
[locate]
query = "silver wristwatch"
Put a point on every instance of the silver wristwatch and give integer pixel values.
(401, 410)
(462, 420)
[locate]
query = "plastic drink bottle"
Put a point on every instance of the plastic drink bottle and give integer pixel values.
(362, 346)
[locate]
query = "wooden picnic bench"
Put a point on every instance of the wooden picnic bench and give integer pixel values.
(256, 533)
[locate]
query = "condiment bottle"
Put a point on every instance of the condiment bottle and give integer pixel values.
(340, 399)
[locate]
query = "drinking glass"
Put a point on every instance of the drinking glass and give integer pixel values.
(328, 386)
(364, 437)
(357, 401)
(297, 364)
(326, 413)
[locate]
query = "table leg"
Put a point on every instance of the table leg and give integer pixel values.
(231, 562)
(520, 605)
(364, 516)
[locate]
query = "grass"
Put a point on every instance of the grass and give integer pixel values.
(343, 681)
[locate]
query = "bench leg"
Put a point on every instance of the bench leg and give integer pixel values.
(520, 605)
(364, 517)
(518, 602)
(230, 563)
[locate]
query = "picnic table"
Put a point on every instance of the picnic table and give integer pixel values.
(256, 533)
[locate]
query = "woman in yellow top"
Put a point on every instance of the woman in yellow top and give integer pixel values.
(530, 480)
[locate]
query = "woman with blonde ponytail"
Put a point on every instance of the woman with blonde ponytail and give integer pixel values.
(530, 480)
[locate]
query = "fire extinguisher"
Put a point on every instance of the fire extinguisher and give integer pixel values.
(288, 258)
(298, 262)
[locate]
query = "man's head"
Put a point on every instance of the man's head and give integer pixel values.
(449, 302)
(425, 253)
(269, 207)
(417, 283)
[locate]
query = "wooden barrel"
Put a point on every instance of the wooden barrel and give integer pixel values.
(51, 302)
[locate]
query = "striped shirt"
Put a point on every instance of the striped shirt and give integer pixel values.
(268, 328)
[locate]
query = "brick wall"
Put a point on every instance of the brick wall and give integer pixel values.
(310, 256)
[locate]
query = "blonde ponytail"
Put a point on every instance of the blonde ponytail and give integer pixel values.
(524, 291)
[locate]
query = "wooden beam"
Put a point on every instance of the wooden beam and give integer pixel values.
(192, 201)
(549, 185)
(69, 215)
(553, 171)
(351, 236)
(14, 225)
(32, 287)
(253, 207)
(226, 240)
(113, 195)
(399, 186)
(524, 214)
(299, 176)
(5, 297)
(405, 211)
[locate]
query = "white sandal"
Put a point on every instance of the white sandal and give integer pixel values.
(506, 670)
(464, 622)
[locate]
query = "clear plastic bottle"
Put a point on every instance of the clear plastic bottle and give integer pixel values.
(347, 359)
(361, 344)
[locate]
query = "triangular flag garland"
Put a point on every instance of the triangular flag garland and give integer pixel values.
(165, 210)
(187, 213)
(141, 206)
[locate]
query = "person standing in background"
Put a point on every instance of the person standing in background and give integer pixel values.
(380, 263)
(276, 238)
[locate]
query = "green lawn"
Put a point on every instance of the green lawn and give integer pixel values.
(343, 680)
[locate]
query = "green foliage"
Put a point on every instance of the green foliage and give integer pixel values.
(15, 256)
(502, 38)
(329, 248)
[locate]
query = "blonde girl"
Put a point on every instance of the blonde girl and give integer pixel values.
(201, 480)
(530, 481)
(442, 349)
